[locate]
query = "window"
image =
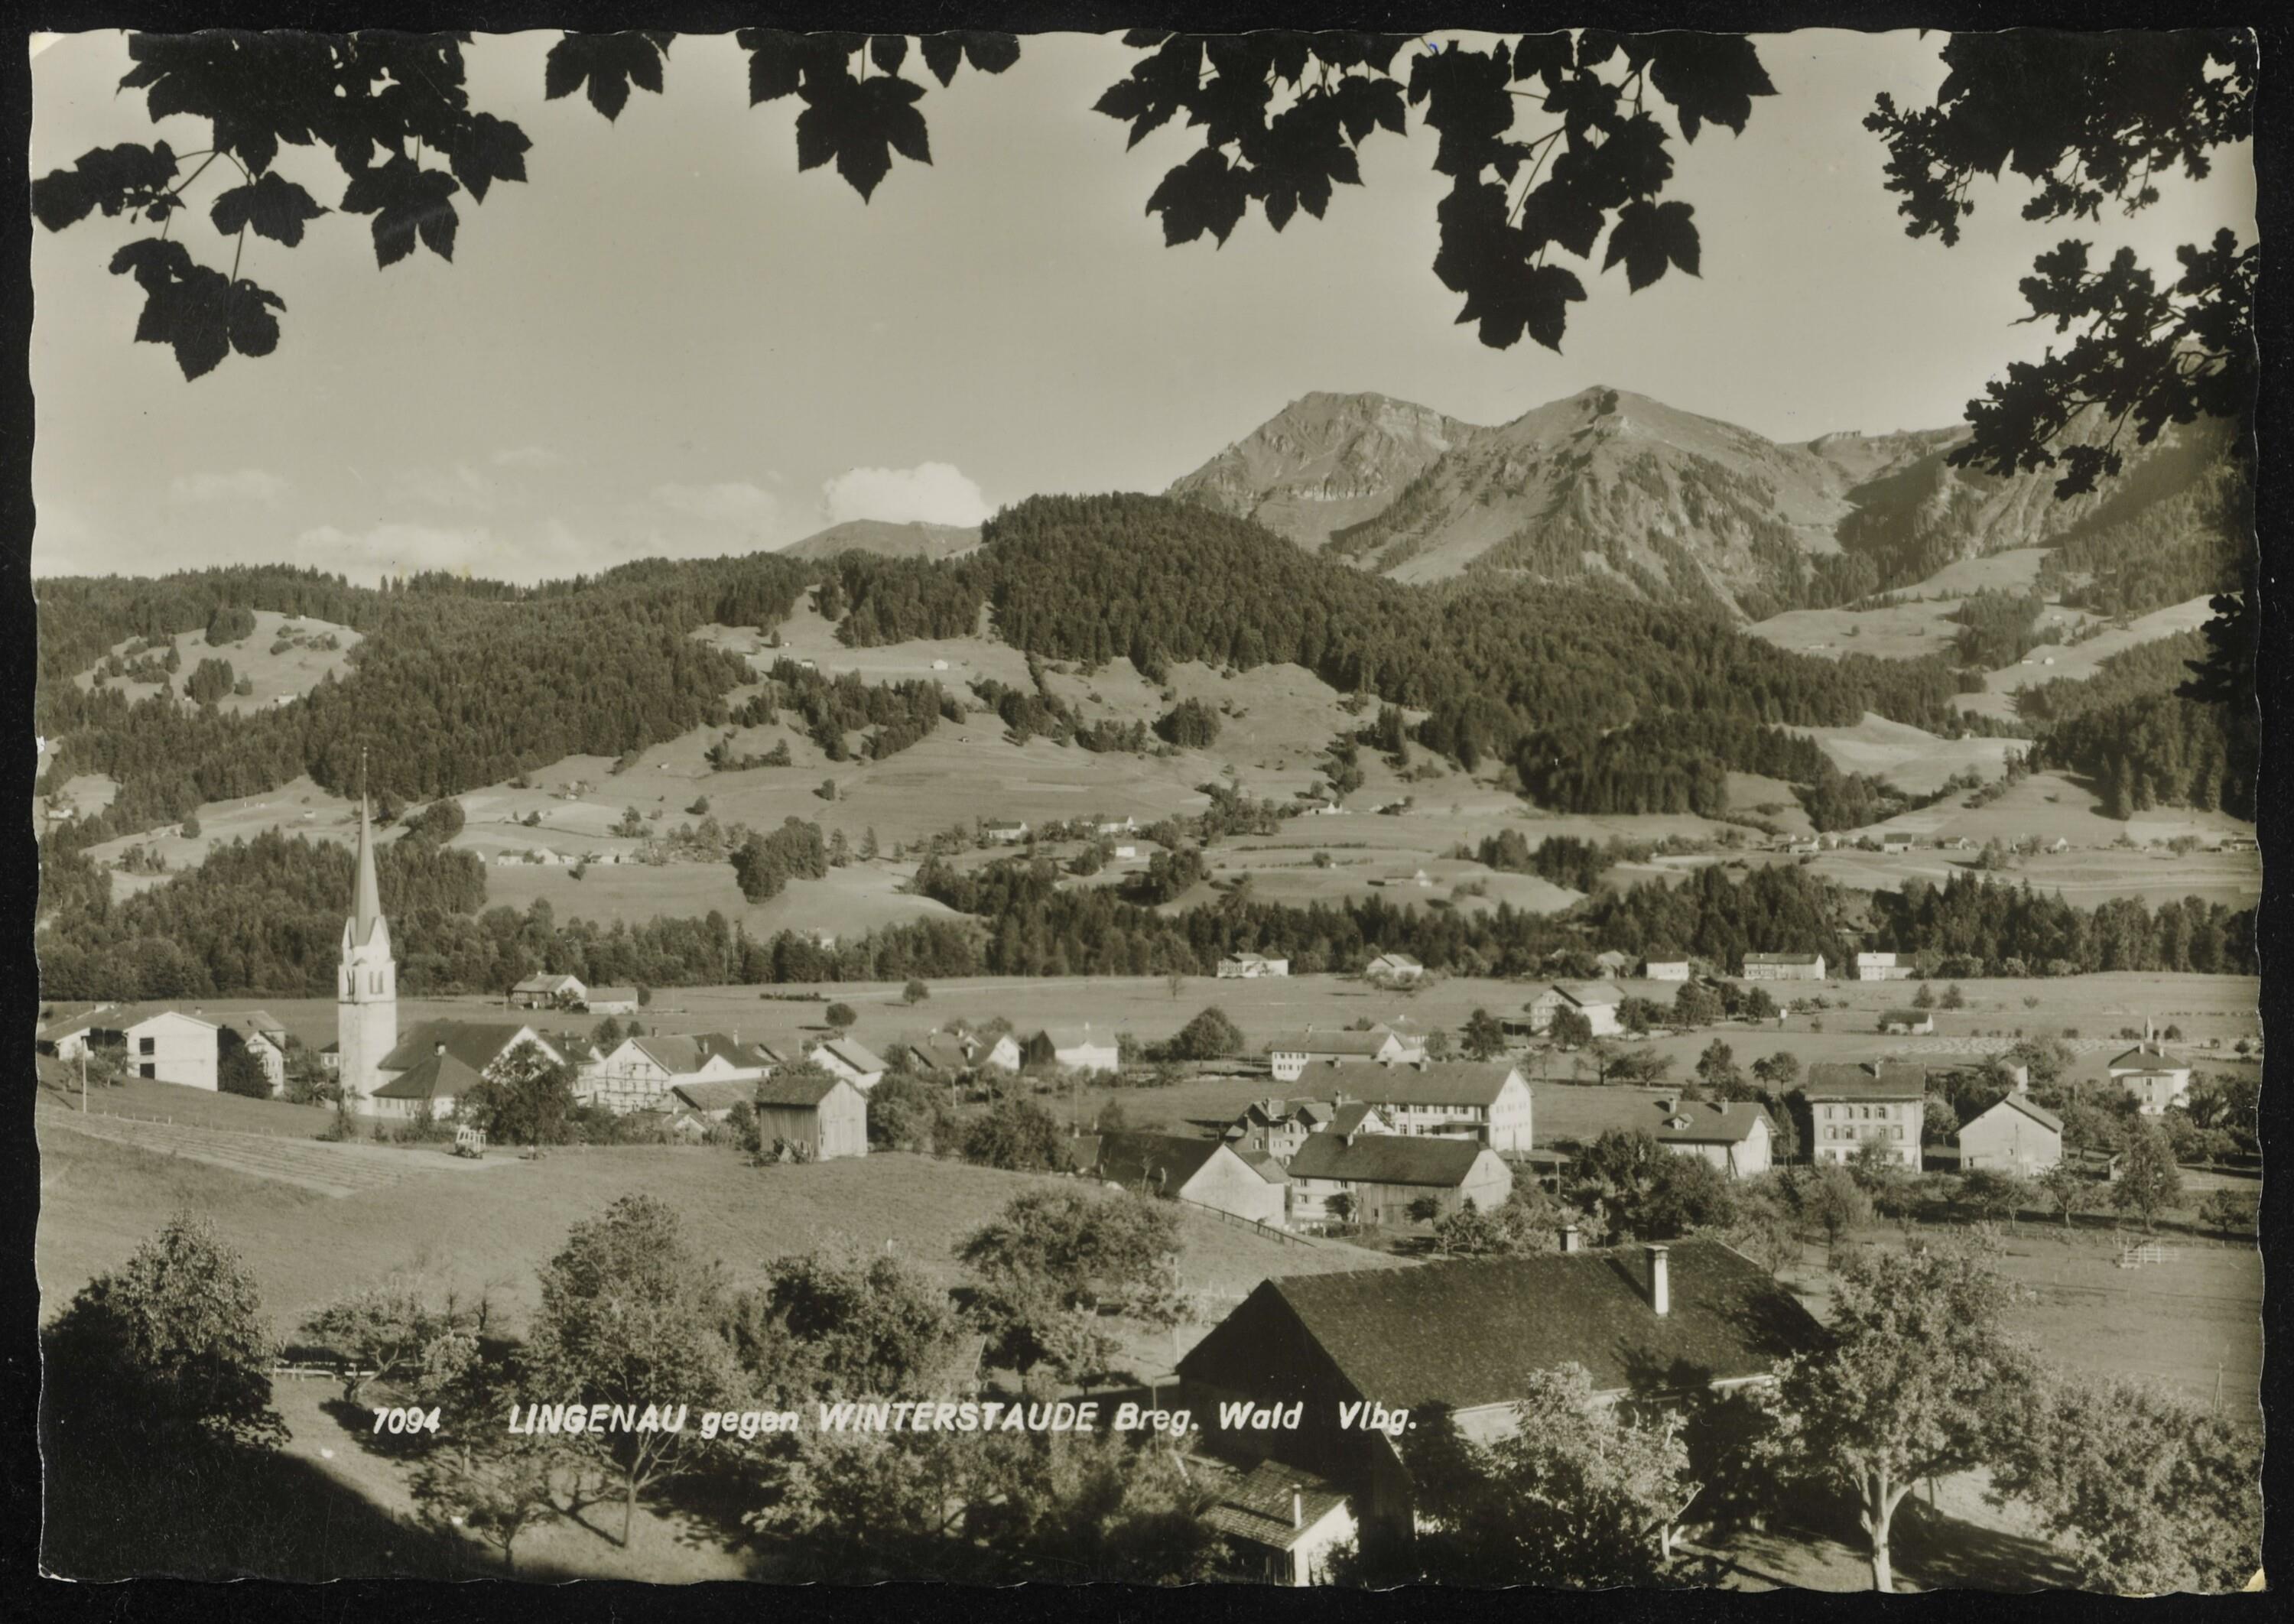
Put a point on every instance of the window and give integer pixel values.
(147, 1045)
(147, 1070)
(1899, 1132)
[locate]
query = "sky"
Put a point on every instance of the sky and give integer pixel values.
(671, 342)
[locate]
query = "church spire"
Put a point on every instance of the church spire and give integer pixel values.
(366, 901)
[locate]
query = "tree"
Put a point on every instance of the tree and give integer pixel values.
(2231, 1212)
(1016, 1134)
(1696, 1005)
(840, 1016)
(1995, 1195)
(1924, 998)
(1683, 1194)
(916, 992)
(1056, 1261)
(1571, 1028)
(1485, 1038)
(2067, 1190)
(1952, 998)
(1836, 1202)
(1210, 1035)
(608, 1035)
(1718, 1070)
(2151, 1493)
(191, 827)
(1918, 1379)
(390, 1329)
(841, 1327)
(2149, 1182)
(630, 1316)
(171, 1345)
(237, 1070)
(1778, 1072)
(523, 1097)
(1577, 1494)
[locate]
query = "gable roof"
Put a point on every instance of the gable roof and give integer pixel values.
(160, 1013)
(1712, 1121)
(679, 1054)
(1367, 1044)
(2039, 1114)
(546, 983)
(1883, 1080)
(1782, 958)
(2145, 1056)
(613, 995)
(852, 1053)
(1078, 1037)
(1470, 1332)
(477, 1044)
(1257, 1506)
(440, 1076)
(1262, 1163)
(799, 1090)
(1438, 1161)
(720, 1094)
(1348, 1118)
(1160, 1161)
(1582, 992)
(1439, 1083)
(1402, 959)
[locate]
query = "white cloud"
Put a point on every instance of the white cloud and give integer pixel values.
(527, 457)
(734, 501)
(930, 492)
(245, 485)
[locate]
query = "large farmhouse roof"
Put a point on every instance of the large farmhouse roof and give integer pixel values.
(680, 1055)
(853, 1053)
(1583, 993)
(2039, 1114)
(2145, 1056)
(719, 1095)
(1364, 1045)
(477, 1044)
(1438, 1162)
(1160, 1161)
(1438, 1082)
(1883, 1080)
(1471, 1332)
(440, 1076)
(1782, 958)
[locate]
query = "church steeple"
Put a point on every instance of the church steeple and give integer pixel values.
(366, 985)
(366, 900)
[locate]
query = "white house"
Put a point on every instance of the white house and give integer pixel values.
(2013, 1136)
(169, 1046)
(638, 1072)
(1908, 1023)
(475, 1048)
(1484, 1100)
(264, 1038)
(1114, 825)
(545, 991)
(1283, 1523)
(1881, 966)
(1290, 1056)
(1407, 1032)
(1004, 831)
(2155, 1078)
(1735, 1136)
(848, 1057)
(1083, 1048)
(1665, 970)
(611, 1001)
(1250, 967)
(1850, 1106)
(1396, 967)
(1784, 967)
(1595, 1001)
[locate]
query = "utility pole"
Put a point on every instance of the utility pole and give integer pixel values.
(83, 1111)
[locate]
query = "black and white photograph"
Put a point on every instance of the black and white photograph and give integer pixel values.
(1329, 809)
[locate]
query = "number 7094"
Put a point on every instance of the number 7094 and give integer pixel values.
(409, 1418)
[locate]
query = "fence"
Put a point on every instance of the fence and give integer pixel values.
(1252, 1224)
(2134, 1257)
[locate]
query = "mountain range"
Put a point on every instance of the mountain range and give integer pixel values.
(913, 539)
(1611, 486)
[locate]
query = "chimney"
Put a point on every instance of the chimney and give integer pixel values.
(1297, 1507)
(1569, 1238)
(1660, 1281)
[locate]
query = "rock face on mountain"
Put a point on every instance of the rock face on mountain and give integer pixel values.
(893, 540)
(1612, 486)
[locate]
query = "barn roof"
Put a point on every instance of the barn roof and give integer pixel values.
(1881, 1080)
(1471, 1332)
(1439, 1083)
(1363, 1044)
(477, 1044)
(1257, 1506)
(438, 1076)
(1162, 1161)
(1437, 1161)
(720, 1095)
(853, 1053)
(2145, 1056)
(2039, 1114)
(798, 1089)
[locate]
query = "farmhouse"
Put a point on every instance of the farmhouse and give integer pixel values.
(475, 1046)
(1000, 1052)
(1277, 1128)
(1784, 967)
(1664, 969)
(1487, 1102)
(1737, 1136)
(264, 1038)
(1281, 1523)
(1078, 1048)
(1596, 1003)
(1395, 967)
(1383, 1175)
(1908, 1023)
(1290, 1056)
(1207, 1172)
(2013, 1136)
(817, 1119)
(1613, 965)
(431, 1088)
(548, 992)
(1654, 1323)
(1881, 966)
(1250, 967)
(713, 1101)
(2154, 1077)
(1004, 831)
(1852, 1105)
(1408, 1034)
(169, 1046)
(638, 1072)
(1114, 825)
(849, 1059)
(613, 1001)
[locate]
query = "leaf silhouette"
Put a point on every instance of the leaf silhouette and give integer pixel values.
(405, 200)
(608, 63)
(273, 206)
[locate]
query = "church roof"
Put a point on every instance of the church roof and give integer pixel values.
(366, 898)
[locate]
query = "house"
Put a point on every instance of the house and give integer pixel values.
(1000, 1052)
(1250, 967)
(1737, 1136)
(1290, 1056)
(1613, 965)
(1664, 969)
(1881, 966)
(1409, 1035)
(2013, 1136)
(713, 1101)
(1418, 877)
(1004, 831)
(849, 1059)
(1207, 1172)
(1485, 1101)
(1852, 1105)
(434, 1087)
(262, 1036)
(1896, 845)
(1395, 967)
(820, 1119)
(2155, 1078)
(331, 1058)
(1656, 1324)
(1281, 1524)
(1908, 1023)
(611, 1001)
(1382, 1176)
(1596, 1003)
(638, 1072)
(101, 1026)
(1078, 1048)
(548, 992)
(1784, 967)
(940, 1056)
(1277, 1128)
(1118, 825)
(169, 1046)
(1127, 851)
(476, 1046)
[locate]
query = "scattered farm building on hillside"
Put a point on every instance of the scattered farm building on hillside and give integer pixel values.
(2013, 1136)
(1784, 967)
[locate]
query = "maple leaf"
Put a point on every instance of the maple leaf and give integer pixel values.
(608, 63)
(254, 329)
(406, 200)
(1710, 78)
(859, 124)
(488, 150)
(1650, 236)
(274, 208)
(1204, 194)
(109, 178)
